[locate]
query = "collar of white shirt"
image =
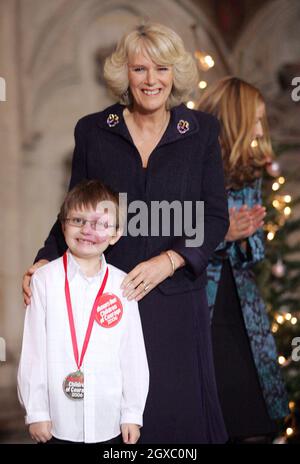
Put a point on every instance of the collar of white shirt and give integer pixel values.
(74, 268)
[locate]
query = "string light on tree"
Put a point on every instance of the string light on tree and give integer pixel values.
(209, 61)
(202, 85)
(280, 202)
(281, 180)
(292, 405)
(280, 319)
(190, 104)
(271, 230)
(271, 236)
(204, 60)
(275, 327)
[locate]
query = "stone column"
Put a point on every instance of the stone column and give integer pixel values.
(11, 310)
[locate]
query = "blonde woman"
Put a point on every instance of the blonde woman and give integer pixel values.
(150, 146)
(251, 390)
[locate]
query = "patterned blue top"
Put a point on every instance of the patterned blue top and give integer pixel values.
(253, 308)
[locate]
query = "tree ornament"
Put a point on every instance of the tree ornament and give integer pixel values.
(273, 169)
(278, 269)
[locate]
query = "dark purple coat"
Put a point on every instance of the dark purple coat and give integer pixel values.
(182, 405)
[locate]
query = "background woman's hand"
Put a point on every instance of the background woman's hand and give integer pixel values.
(27, 279)
(258, 214)
(148, 274)
(244, 222)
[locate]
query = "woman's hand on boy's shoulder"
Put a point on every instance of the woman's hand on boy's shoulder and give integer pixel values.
(130, 433)
(41, 431)
(27, 279)
(148, 274)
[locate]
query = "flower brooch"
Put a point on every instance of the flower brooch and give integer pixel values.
(183, 126)
(112, 120)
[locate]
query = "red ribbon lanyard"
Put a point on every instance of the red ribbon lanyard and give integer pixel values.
(71, 319)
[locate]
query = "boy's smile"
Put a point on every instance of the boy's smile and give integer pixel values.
(88, 233)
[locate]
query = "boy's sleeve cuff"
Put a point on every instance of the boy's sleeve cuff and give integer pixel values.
(132, 418)
(41, 416)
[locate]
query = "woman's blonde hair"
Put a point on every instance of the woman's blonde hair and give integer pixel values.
(164, 47)
(234, 102)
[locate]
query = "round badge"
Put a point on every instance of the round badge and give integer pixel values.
(73, 385)
(109, 311)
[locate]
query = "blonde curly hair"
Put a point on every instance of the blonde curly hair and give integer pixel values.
(164, 47)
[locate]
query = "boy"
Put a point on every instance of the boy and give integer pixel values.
(83, 373)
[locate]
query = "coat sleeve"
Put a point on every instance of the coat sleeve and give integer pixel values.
(55, 244)
(134, 365)
(32, 372)
(216, 220)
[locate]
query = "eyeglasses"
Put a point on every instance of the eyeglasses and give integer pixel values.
(96, 225)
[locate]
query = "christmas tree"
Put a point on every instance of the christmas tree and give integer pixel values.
(278, 275)
(279, 279)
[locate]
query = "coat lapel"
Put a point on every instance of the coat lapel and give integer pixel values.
(183, 123)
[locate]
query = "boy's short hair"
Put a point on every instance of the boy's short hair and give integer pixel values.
(89, 193)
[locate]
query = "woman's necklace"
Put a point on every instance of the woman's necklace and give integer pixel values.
(163, 127)
(139, 141)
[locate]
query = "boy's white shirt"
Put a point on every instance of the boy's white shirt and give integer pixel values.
(116, 375)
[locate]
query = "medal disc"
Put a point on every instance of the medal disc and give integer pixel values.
(73, 385)
(109, 311)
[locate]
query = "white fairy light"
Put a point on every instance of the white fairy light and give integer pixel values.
(202, 85)
(209, 61)
(280, 319)
(270, 235)
(190, 104)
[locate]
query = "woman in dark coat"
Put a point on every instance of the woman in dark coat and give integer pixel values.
(154, 149)
(250, 385)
